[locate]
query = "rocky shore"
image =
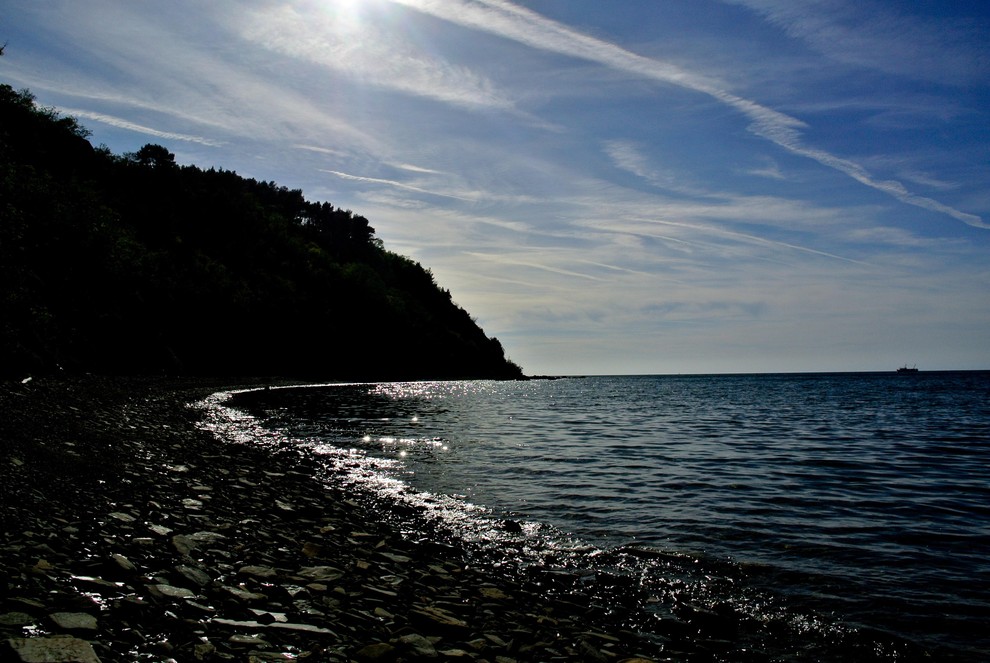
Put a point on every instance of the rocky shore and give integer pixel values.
(132, 535)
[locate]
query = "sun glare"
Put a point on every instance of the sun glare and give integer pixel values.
(348, 9)
(348, 15)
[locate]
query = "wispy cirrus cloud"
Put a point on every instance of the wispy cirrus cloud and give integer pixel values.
(121, 123)
(875, 35)
(528, 27)
(391, 183)
(358, 49)
(770, 169)
(626, 156)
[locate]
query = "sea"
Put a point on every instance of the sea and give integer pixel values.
(842, 515)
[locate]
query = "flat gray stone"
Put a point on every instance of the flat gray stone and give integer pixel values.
(185, 543)
(195, 575)
(243, 594)
(74, 621)
(16, 619)
(258, 571)
(170, 592)
(51, 650)
(321, 573)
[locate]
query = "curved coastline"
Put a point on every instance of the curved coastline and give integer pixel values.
(138, 530)
(179, 545)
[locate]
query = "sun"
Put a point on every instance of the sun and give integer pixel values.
(348, 13)
(348, 8)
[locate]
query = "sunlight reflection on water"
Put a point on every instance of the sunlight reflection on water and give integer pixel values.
(823, 487)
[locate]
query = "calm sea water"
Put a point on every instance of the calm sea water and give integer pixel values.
(826, 506)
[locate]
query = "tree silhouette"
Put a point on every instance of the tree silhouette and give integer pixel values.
(135, 264)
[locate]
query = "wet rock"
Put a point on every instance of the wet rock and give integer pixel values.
(123, 564)
(418, 645)
(243, 594)
(399, 559)
(170, 592)
(196, 576)
(263, 572)
(98, 585)
(321, 574)
(204, 651)
(48, 650)
(438, 619)
(301, 628)
(74, 621)
(123, 517)
(494, 593)
(186, 543)
(247, 640)
(16, 619)
(378, 651)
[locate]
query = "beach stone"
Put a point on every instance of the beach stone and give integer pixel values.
(494, 593)
(123, 517)
(42, 565)
(204, 651)
(495, 640)
(321, 573)
(398, 559)
(74, 621)
(170, 592)
(419, 645)
(243, 594)
(186, 543)
(98, 585)
(16, 619)
(378, 651)
(247, 640)
(264, 572)
(194, 575)
(302, 628)
(28, 604)
(436, 618)
(123, 563)
(51, 650)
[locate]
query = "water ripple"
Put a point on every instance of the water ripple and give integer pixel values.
(861, 495)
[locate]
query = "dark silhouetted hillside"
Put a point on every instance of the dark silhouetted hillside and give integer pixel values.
(134, 264)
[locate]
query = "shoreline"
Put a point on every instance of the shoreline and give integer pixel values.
(131, 534)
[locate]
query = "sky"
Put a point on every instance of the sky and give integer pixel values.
(622, 187)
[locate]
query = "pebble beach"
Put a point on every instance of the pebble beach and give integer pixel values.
(132, 534)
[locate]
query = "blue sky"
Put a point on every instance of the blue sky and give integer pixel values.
(675, 186)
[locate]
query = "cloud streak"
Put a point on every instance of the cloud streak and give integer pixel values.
(874, 35)
(391, 183)
(121, 123)
(528, 27)
(356, 48)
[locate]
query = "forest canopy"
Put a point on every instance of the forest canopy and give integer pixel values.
(134, 264)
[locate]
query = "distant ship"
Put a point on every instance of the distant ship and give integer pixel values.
(907, 369)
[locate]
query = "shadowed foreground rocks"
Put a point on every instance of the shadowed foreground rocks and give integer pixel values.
(132, 535)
